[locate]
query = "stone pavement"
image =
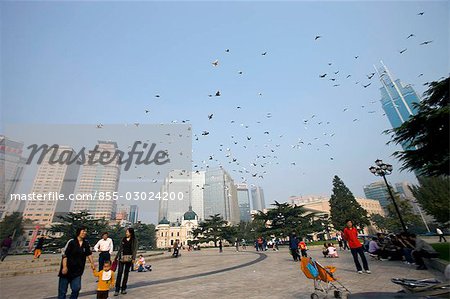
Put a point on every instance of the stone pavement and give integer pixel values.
(208, 273)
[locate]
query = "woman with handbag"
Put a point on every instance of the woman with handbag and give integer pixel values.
(125, 256)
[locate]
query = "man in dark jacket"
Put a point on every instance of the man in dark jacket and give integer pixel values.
(6, 245)
(293, 246)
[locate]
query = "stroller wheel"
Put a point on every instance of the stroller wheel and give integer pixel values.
(314, 296)
(337, 294)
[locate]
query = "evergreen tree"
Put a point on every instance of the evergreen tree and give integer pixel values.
(212, 229)
(283, 219)
(433, 194)
(427, 133)
(72, 221)
(145, 234)
(11, 225)
(343, 206)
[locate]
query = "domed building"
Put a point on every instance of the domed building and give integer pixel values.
(167, 233)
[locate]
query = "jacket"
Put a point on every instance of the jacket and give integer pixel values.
(134, 247)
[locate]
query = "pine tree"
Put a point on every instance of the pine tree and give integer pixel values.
(343, 206)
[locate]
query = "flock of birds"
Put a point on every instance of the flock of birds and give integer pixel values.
(227, 153)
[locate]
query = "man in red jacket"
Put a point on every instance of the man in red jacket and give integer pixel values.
(351, 235)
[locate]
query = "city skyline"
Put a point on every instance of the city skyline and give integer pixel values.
(290, 103)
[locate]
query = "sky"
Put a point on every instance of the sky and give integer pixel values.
(105, 62)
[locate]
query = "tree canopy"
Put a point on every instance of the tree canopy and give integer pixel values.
(427, 133)
(343, 206)
(391, 222)
(212, 229)
(72, 221)
(433, 194)
(11, 225)
(283, 219)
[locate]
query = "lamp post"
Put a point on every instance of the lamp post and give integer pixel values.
(382, 169)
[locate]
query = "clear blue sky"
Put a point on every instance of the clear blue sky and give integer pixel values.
(98, 62)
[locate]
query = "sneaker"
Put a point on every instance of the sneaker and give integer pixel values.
(368, 271)
(422, 267)
(360, 272)
(123, 292)
(116, 293)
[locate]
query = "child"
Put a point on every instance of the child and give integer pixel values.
(332, 251)
(303, 248)
(141, 266)
(105, 280)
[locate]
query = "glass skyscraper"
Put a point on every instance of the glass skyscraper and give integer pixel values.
(396, 98)
(244, 202)
(379, 192)
(220, 196)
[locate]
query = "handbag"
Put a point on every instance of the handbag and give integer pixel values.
(114, 265)
(126, 258)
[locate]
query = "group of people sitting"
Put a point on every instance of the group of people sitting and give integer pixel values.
(329, 250)
(404, 246)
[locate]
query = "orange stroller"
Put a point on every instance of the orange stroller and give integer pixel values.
(324, 280)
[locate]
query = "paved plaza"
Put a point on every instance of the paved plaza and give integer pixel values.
(209, 274)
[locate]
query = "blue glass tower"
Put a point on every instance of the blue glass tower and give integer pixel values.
(397, 99)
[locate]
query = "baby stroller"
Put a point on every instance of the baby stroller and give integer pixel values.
(324, 280)
(425, 287)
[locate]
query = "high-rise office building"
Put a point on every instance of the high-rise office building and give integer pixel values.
(11, 170)
(52, 178)
(258, 202)
(244, 202)
(134, 214)
(99, 178)
(198, 183)
(396, 98)
(378, 191)
(220, 196)
(177, 185)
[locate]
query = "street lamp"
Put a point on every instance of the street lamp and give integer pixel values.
(382, 169)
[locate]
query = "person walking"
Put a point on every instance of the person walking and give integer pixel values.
(237, 245)
(293, 246)
(344, 242)
(220, 246)
(6, 245)
(339, 239)
(38, 248)
(356, 248)
(105, 247)
(303, 248)
(126, 256)
(440, 234)
(73, 263)
(175, 249)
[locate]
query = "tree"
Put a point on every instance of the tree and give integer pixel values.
(212, 229)
(283, 219)
(11, 225)
(381, 222)
(391, 221)
(145, 233)
(427, 133)
(343, 206)
(72, 221)
(433, 195)
(116, 233)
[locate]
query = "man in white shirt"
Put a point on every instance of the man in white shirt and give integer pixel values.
(105, 247)
(440, 234)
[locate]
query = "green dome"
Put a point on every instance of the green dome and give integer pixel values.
(190, 215)
(164, 221)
